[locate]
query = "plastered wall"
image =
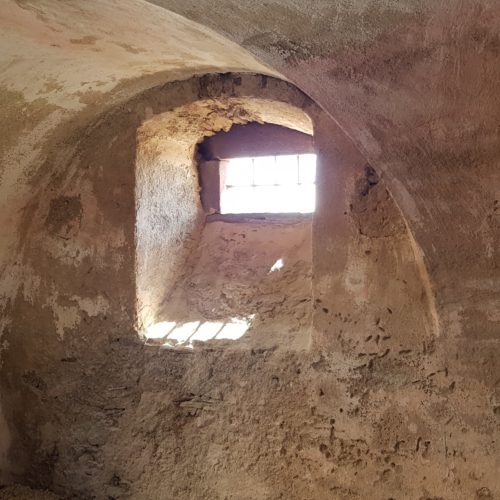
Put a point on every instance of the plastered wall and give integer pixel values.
(399, 392)
(138, 419)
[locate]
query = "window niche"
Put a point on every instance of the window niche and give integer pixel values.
(257, 169)
(230, 282)
(249, 282)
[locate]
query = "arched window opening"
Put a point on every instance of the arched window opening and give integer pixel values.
(239, 277)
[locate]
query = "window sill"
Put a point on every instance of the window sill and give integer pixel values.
(259, 217)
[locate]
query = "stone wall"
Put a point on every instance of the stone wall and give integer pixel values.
(398, 392)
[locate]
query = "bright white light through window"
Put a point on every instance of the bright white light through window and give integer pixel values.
(269, 184)
(172, 334)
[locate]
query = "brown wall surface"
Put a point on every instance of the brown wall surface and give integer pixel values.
(399, 392)
(137, 416)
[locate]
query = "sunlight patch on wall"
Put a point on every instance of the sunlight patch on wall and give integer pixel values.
(172, 334)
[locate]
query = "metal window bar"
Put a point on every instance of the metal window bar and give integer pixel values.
(275, 184)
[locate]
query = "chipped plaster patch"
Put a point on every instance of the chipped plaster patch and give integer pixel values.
(92, 306)
(66, 317)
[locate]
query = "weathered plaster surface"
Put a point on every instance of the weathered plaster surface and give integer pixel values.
(270, 412)
(388, 401)
(62, 64)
